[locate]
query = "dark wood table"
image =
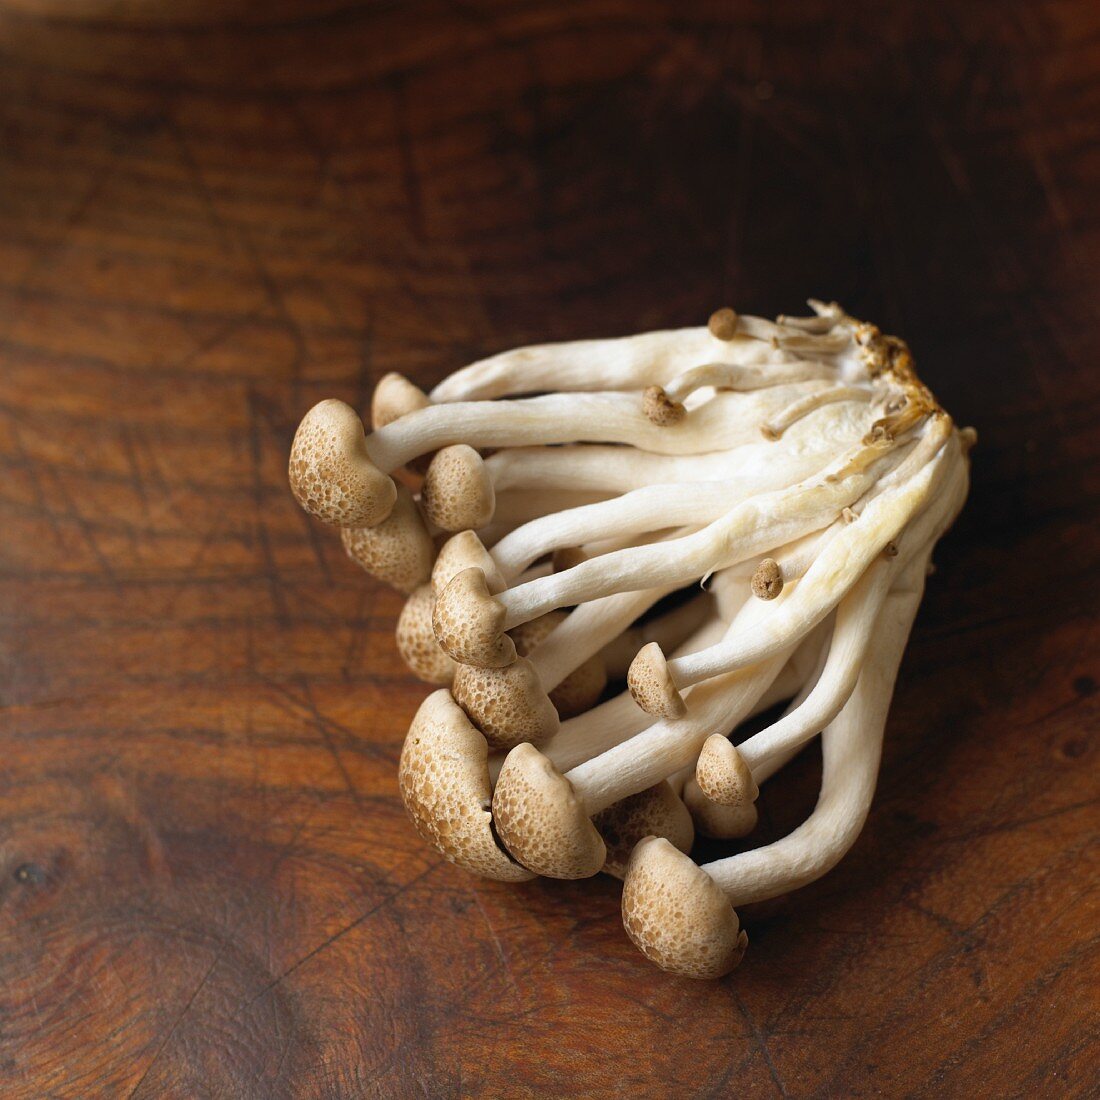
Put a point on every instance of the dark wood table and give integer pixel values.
(213, 214)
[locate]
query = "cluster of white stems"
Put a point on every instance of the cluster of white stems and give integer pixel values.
(725, 518)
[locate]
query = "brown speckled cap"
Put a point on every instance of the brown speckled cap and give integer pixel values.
(582, 688)
(469, 622)
(416, 640)
(541, 821)
(677, 916)
(394, 397)
(656, 811)
(444, 782)
(331, 474)
(457, 493)
(767, 581)
(651, 684)
(465, 551)
(722, 773)
(507, 704)
(660, 409)
(398, 550)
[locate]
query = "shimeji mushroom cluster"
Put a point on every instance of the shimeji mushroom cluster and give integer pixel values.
(787, 479)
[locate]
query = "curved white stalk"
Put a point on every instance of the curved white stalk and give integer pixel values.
(728, 419)
(842, 562)
(751, 528)
(851, 750)
(626, 363)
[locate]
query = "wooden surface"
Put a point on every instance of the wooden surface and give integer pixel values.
(211, 216)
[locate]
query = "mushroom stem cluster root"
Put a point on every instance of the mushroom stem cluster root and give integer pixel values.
(615, 554)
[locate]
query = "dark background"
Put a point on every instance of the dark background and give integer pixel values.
(212, 215)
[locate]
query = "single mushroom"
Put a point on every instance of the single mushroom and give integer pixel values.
(416, 641)
(331, 472)
(398, 550)
(457, 494)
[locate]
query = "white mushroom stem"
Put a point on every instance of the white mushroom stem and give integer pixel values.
(669, 745)
(851, 750)
(841, 563)
(606, 470)
(626, 363)
(518, 506)
(794, 682)
(856, 619)
(586, 631)
(668, 630)
(748, 530)
(609, 723)
(730, 376)
(728, 419)
(803, 406)
(643, 510)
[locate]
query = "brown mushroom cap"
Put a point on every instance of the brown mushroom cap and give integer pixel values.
(331, 474)
(660, 409)
(507, 704)
(722, 774)
(394, 397)
(723, 323)
(469, 622)
(444, 781)
(677, 916)
(651, 684)
(582, 688)
(540, 820)
(457, 493)
(715, 820)
(465, 551)
(656, 811)
(398, 550)
(416, 640)
(767, 581)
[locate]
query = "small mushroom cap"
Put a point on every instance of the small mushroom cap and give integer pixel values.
(677, 916)
(715, 820)
(465, 551)
(722, 774)
(723, 324)
(508, 704)
(444, 782)
(416, 640)
(660, 409)
(582, 688)
(331, 474)
(457, 493)
(398, 550)
(394, 397)
(469, 622)
(767, 581)
(651, 684)
(656, 811)
(540, 820)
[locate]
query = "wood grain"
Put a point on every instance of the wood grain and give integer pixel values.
(214, 214)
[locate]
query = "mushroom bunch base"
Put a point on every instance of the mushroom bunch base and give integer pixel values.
(616, 553)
